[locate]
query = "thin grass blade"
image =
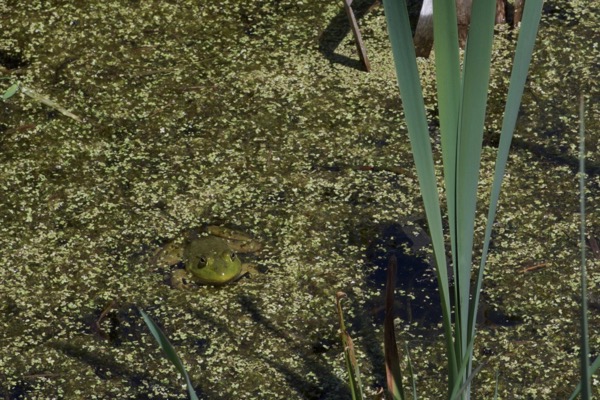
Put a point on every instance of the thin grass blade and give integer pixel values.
(593, 368)
(349, 353)
(460, 384)
(411, 374)
(44, 100)
(392, 361)
(496, 387)
(169, 351)
(586, 392)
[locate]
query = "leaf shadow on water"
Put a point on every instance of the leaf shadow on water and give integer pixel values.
(416, 284)
(328, 382)
(118, 328)
(107, 369)
(547, 153)
(122, 325)
(417, 299)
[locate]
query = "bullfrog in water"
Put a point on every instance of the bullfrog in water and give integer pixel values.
(208, 260)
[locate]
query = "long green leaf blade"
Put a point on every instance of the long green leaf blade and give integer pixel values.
(524, 50)
(447, 71)
(476, 75)
(414, 109)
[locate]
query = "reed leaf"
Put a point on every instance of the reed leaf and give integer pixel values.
(11, 91)
(462, 100)
(414, 110)
(472, 107)
(447, 63)
(522, 59)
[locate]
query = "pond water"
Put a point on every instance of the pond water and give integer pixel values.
(230, 113)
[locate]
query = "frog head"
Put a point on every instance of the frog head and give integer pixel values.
(210, 260)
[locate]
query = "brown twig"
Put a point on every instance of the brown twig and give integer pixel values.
(532, 267)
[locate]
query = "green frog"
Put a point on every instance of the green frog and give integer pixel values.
(208, 260)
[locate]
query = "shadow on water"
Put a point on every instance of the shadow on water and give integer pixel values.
(418, 299)
(328, 382)
(121, 325)
(125, 315)
(548, 153)
(416, 285)
(107, 369)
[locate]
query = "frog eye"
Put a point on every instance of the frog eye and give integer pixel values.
(233, 255)
(202, 262)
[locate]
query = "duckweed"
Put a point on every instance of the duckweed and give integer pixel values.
(236, 112)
